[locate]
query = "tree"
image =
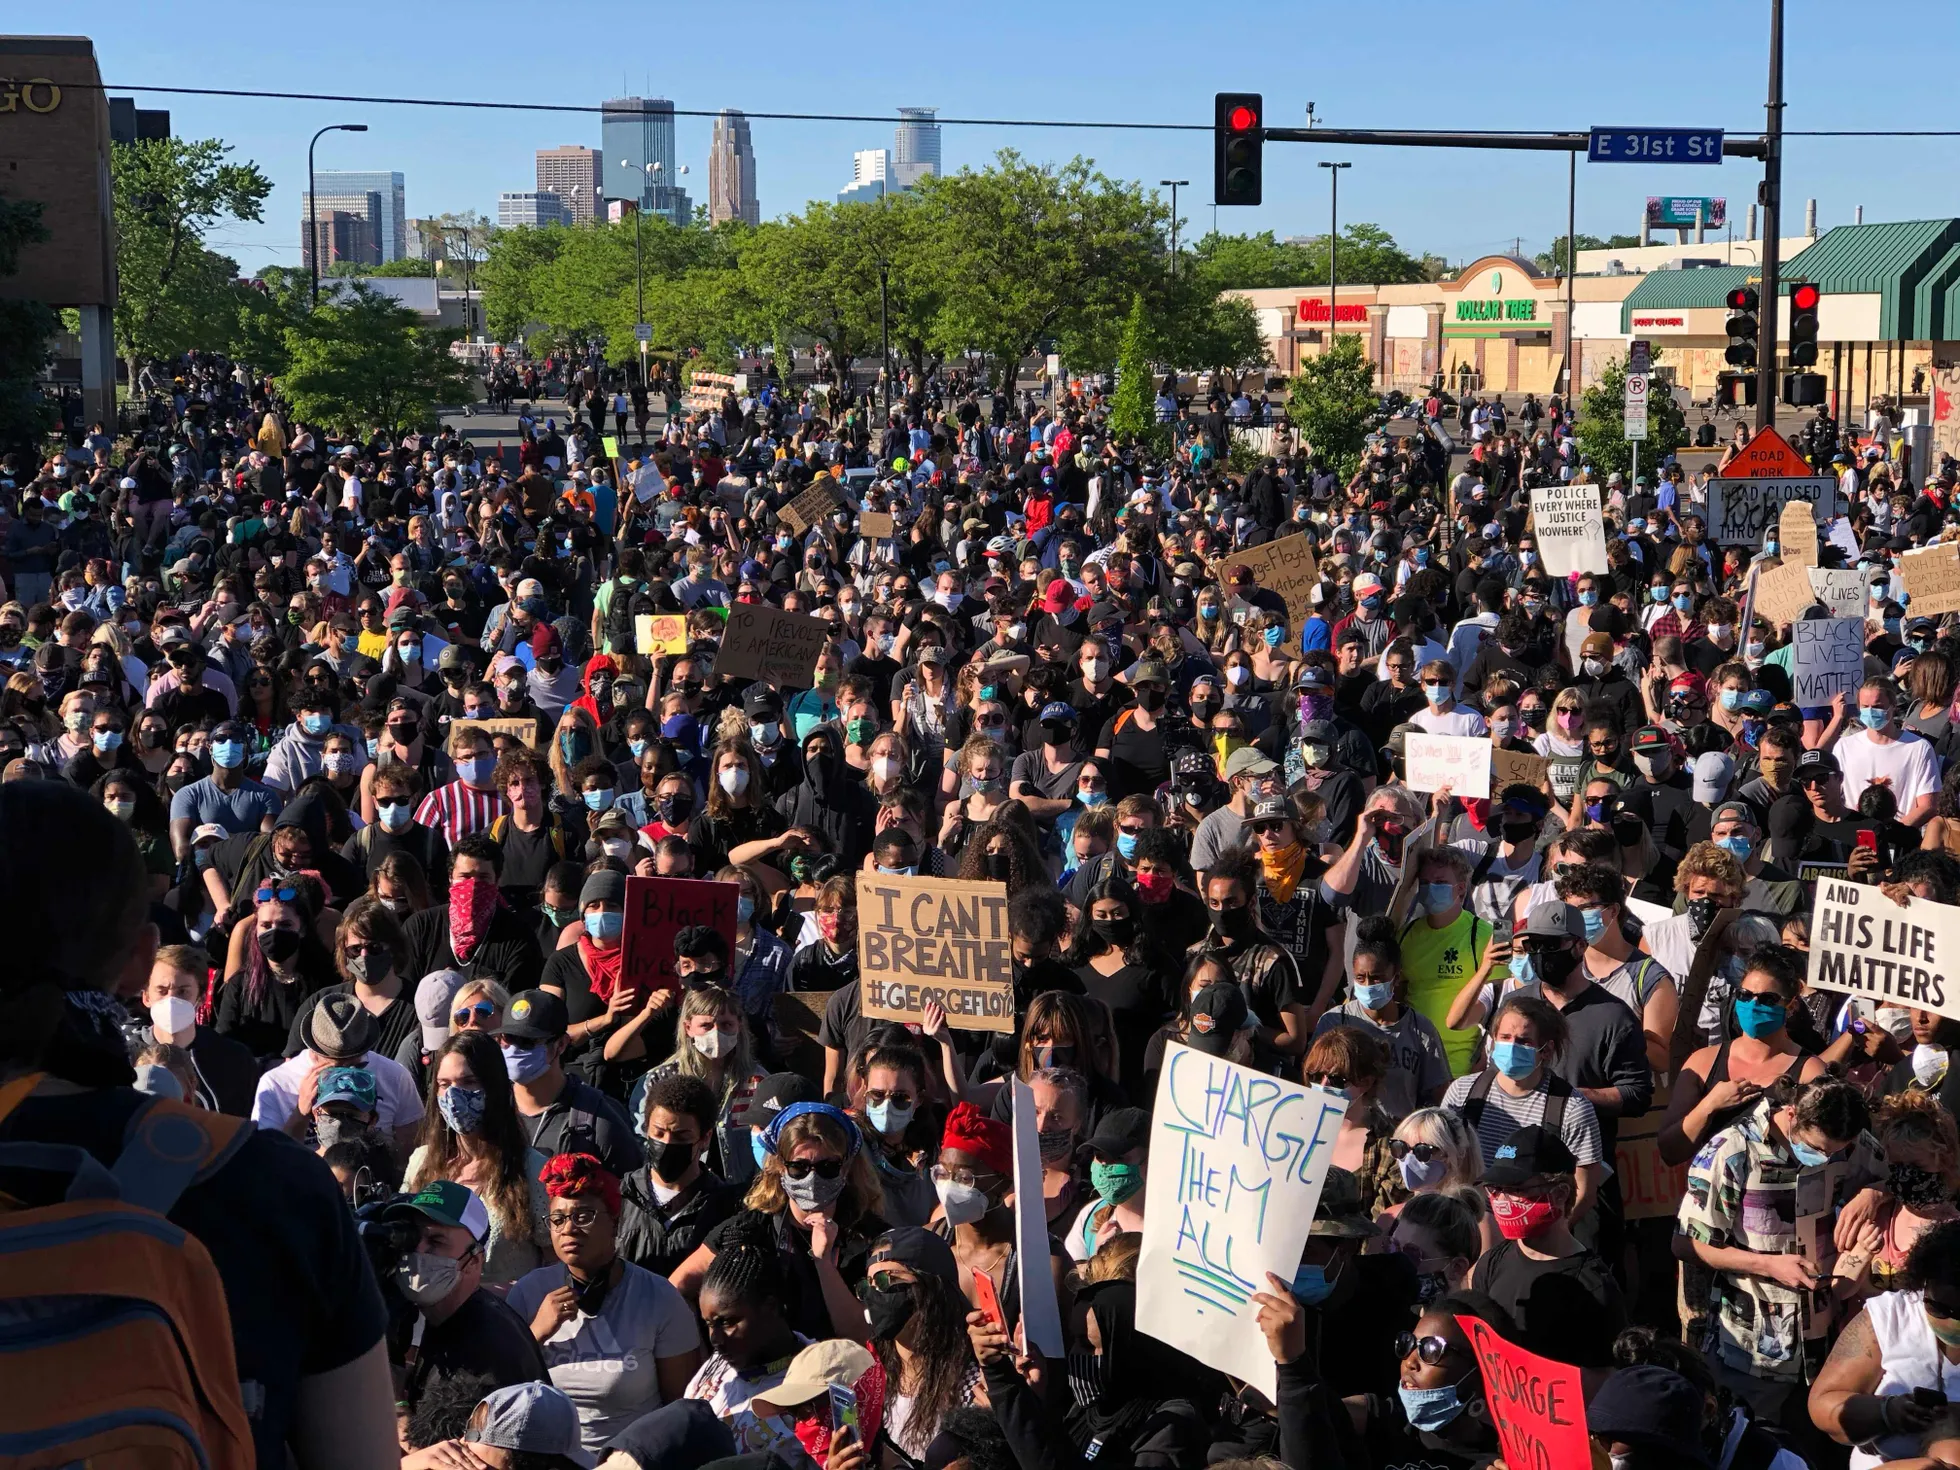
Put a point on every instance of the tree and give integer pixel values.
(408, 265)
(1331, 401)
(1133, 407)
(365, 362)
(26, 330)
(1368, 256)
(1602, 416)
(174, 294)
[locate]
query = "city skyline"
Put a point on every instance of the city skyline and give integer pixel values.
(577, 175)
(389, 224)
(731, 171)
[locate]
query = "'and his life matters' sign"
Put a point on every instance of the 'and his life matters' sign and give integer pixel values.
(763, 642)
(927, 939)
(1237, 1162)
(1864, 943)
(659, 908)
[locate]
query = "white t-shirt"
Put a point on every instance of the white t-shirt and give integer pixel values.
(1459, 721)
(397, 1103)
(605, 1363)
(1908, 761)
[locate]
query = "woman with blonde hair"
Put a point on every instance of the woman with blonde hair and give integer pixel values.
(575, 738)
(975, 787)
(134, 670)
(1436, 1153)
(24, 704)
(712, 1043)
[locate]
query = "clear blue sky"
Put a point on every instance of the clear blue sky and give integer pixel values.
(1420, 63)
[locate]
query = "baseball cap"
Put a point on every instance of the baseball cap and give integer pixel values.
(816, 1369)
(759, 702)
(1121, 1131)
(1150, 671)
(432, 997)
(534, 1418)
(1527, 1154)
(1216, 1014)
(209, 832)
(777, 1091)
(1712, 774)
(1058, 596)
(1554, 919)
(1313, 676)
(927, 1254)
(1733, 811)
(1271, 809)
(339, 1027)
(1339, 1212)
(1597, 645)
(1367, 585)
(1818, 762)
(447, 1203)
(1652, 1407)
(534, 1015)
(354, 1085)
(1651, 737)
(1247, 760)
(1058, 710)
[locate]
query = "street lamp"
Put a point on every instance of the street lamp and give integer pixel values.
(1333, 243)
(312, 205)
(639, 259)
(1174, 185)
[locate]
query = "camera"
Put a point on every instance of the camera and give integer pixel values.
(387, 1242)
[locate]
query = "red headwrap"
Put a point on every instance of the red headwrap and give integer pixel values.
(972, 1132)
(568, 1176)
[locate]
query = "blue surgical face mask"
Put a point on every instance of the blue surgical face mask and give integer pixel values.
(1521, 969)
(1273, 636)
(744, 909)
(1429, 1409)
(638, 747)
(228, 754)
(606, 925)
(1684, 604)
(1312, 1285)
(886, 1118)
(526, 1063)
(314, 723)
(476, 769)
(1375, 997)
(1737, 845)
(1595, 924)
(1657, 594)
(1809, 1157)
(1731, 700)
(1438, 898)
(1515, 1059)
(1873, 717)
(1588, 599)
(598, 801)
(1759, 1018)
(1126, 844)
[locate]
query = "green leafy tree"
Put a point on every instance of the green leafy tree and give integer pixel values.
(814, 277)
(406, 266)
(365, 362)
(1331, 401)
(509, 279)
(27, 329)
(1602, 416)
(175, 294)
(1368, 256)
(1133, 407)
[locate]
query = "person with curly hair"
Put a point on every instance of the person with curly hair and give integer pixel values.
(618, 1340)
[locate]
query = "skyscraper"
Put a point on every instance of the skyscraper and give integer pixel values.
(636, 132)
(870, 176)
(390, 226)
(536, 210)
(731, 171)
(916, 148)
(337, 240)
(576, 175)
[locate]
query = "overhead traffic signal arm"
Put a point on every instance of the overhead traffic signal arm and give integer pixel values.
(1238, 148)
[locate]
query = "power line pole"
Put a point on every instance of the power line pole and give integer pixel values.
(1772, 202)
(1333, 245)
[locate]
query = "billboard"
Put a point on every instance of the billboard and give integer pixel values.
(1681, 212)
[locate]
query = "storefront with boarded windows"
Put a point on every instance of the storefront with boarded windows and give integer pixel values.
(1503, 328)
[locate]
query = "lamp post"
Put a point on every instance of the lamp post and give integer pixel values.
(639, 259)
(1174, 185)
(312, 205)
(1333, 244)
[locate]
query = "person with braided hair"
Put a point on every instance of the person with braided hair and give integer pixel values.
(744, 1307)
(618, 1340)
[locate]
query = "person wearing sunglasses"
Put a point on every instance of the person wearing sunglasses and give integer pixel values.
(277, 963)
(1350, 1062)
(1437, 1417)
(1436, 1153)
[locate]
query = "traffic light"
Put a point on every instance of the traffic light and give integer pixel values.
(1803, 390)
(1742, 326)
(1735, 390)
(1238, 148)
(1803, 324)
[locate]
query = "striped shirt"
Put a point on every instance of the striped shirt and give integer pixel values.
(456, 810)
(1504, 1114)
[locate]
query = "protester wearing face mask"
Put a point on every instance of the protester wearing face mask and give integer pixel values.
(224, 1073)
(1268, 971)
(916, 1315)
(283, 963)
(589, 975)
(1377, 1003)
(668, 1207)
(1117, 1151)
(973, 1177)
(472, 930)
(456, 1327)
(1877, 1228)
(1880, 750)
(560, 1113)
(369, 953)
(336, 1032)
(816, 1201)
(228, 797)
(1707, 881)
(710, 1042)
(888, 1088)
(1351, 1063)
(1438, 1416)
(471, 802)
(1439, 1234)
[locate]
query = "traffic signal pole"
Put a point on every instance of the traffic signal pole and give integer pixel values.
(1772, 202)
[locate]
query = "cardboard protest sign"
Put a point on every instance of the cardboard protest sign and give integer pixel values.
(925, 939)
(874, 524)
(1237, 1161)
(1932, 579)
(659, 908)
(1041, 1314)
(1741, 511)
(516, 729)
(1796, 533)
(1841, 589)
(1863, 943)
(811, 506)
(1286, 567)
(1538, 1405)
(1827, 657)
(1649, 1187)
(763, 642)
(1570, 528)
(1782, 594)
(1460, 762)
(1516, 768)
(660, 633)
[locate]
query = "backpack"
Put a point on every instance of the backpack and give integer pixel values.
(1557, 1090)
(113, 1323)
(619, 616)
(500, 829)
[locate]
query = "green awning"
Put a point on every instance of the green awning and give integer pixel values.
(1684, 290)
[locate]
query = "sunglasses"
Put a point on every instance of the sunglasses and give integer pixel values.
(1432, 1350)
(482, 1011)
(804, 1168)
(1426, 1153)
(268, 893)
(1335, 1080)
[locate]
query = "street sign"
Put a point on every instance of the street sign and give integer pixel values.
(1654, 145)
(1635, 423)
(643, 331)
(1767, 456)
(1640, 356)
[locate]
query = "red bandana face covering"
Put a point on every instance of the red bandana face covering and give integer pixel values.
(1519, 1218)
(472, 902)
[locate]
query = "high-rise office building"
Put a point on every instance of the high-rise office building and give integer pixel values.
(731, 171)
(342, 235)
(871, 170)
(637, 132)
(576, 175)
(530, 210)
(390, 226)
(916, 148)
(362, 249)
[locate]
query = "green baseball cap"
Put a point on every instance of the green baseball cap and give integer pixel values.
(447, 1203)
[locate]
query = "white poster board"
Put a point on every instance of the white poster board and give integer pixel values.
(1237, 1161)
(1041, 1314)
(1827, 657)
(1864, 944)
(1460, 762)
(1841, 589)
(1570, 528)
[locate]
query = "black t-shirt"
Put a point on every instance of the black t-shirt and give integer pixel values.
(1570, 1309)
(1358, 1331)
(484, 1336)
(1139, 759)
(880, 671)
(1141, 1000)
(528, 856)
(301, 1295)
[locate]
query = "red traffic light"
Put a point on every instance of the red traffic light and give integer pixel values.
(1242, 117)
(1805, 297)
(1743, 298)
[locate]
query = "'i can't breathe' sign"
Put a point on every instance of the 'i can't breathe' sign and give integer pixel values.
(1865, 944)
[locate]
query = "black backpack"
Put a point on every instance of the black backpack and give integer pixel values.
(619, 615)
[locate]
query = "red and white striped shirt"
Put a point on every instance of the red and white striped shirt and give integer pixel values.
(456, 810)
